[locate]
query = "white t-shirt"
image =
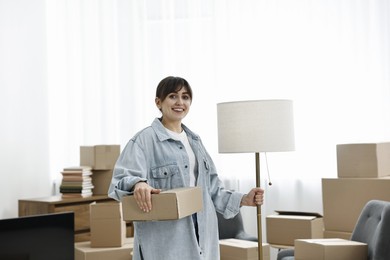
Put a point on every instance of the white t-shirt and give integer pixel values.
(184, 140)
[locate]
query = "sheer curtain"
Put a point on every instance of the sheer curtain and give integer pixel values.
(24, 168)
(105, 59)
(331, 58)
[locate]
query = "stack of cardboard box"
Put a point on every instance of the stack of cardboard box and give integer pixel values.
(102, 159)
(108, 235)
(363, 174)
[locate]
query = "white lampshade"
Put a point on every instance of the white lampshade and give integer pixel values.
(255, 126)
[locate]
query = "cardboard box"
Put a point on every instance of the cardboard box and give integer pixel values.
(337, 234)
(84, 251)
(107, 226)
(168, 205)
(330, 249)
(344, 199)
(99, 157)
(286, 226)
(101, 180)
(370, 160)
(237, 249)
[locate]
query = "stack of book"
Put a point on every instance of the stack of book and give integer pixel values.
(76, 182)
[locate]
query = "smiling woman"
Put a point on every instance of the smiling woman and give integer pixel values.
(168, 155)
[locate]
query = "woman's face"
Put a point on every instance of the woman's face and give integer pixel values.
(175, 106)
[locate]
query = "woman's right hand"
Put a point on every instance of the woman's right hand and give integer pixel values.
(143, 195)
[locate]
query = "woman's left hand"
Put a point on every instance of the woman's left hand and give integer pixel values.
(253, 198)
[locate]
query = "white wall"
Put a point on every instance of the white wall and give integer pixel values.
(24, 157)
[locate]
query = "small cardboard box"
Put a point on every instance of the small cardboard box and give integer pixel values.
(107, 226)
(286, 226)
(99, 157)
(237, 249)
(84, 251)
(101, 180)
(330, 249)
(168, 205)
(344, 199)
(369, 160)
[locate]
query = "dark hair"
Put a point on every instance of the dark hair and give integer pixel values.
(172, 84)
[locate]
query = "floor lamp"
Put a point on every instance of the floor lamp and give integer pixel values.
(254, 127)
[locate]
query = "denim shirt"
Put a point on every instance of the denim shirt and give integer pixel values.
(153, 156)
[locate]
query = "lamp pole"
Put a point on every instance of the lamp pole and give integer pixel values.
(259, 228)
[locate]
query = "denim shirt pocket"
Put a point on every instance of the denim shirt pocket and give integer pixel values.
(166, 177)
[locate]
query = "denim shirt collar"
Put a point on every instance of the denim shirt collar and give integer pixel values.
(163, 135)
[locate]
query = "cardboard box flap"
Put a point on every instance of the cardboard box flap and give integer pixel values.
(331, 242)
(323, 240)
(292, 217)
(298, 213)
(338, 243)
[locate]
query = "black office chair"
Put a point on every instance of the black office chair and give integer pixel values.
(233, 228)
(372, 228)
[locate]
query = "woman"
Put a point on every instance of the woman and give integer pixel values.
(168, 155)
